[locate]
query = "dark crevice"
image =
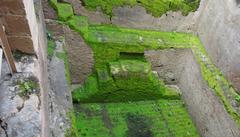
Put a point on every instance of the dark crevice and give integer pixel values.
(4, 126)
(238, 2)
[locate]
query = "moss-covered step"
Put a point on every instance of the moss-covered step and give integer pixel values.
(159, 118)
(126, 80)
(154, 7)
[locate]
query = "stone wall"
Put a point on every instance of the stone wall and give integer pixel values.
(218, 27)
(14, 18)
(38, 30)
(203, 105)
(208, 113)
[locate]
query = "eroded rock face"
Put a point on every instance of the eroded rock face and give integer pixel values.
(20, 117)
(49, 13)
(203, 105)
(59, 96)
(26, 122)
(168, 63)
(218, 27)
(137, 17)
(80, 56)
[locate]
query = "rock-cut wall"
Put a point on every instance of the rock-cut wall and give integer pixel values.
(217, 22)
(218, 27)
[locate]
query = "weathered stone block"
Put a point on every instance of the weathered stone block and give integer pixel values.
(14, 7)
(16, 25)
(23, 44)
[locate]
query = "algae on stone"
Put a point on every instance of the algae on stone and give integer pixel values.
(106, 48)
(154, 7)
(64, 10)
(79, 23)
(154, 117)
(128, 80)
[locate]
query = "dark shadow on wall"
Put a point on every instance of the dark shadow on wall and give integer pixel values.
(238, 2)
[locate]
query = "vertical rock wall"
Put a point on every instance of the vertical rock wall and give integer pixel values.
(218, 27)
(38, 29)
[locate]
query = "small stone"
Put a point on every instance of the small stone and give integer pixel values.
(12, 89)
(61, 125)
(18, 101)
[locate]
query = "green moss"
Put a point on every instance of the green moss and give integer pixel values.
(171, 93)
(53, 3)
(73, 131)
(126, 80)
(155, 7)
(64, 10)
(159, 118)
(51, 47)
(105, 81)
(79, 23)
(237, 98)
(27, 87)
(108, 41)
(106, 49)
(90, 88)
(63, 56)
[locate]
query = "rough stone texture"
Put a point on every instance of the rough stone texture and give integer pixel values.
(218, 28)
(23, 44)
(49, 13)
(168, 64)
(137, 17)
(60, 100)
(55, 29)
(5, 70)
(207, 112)
(41, 71)
(26, 123)
(21, 117)
(94, 16)
(80, 56)
(2, 132)
(15, 7)
(16, 25)
(25, 63)
(14, 17)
